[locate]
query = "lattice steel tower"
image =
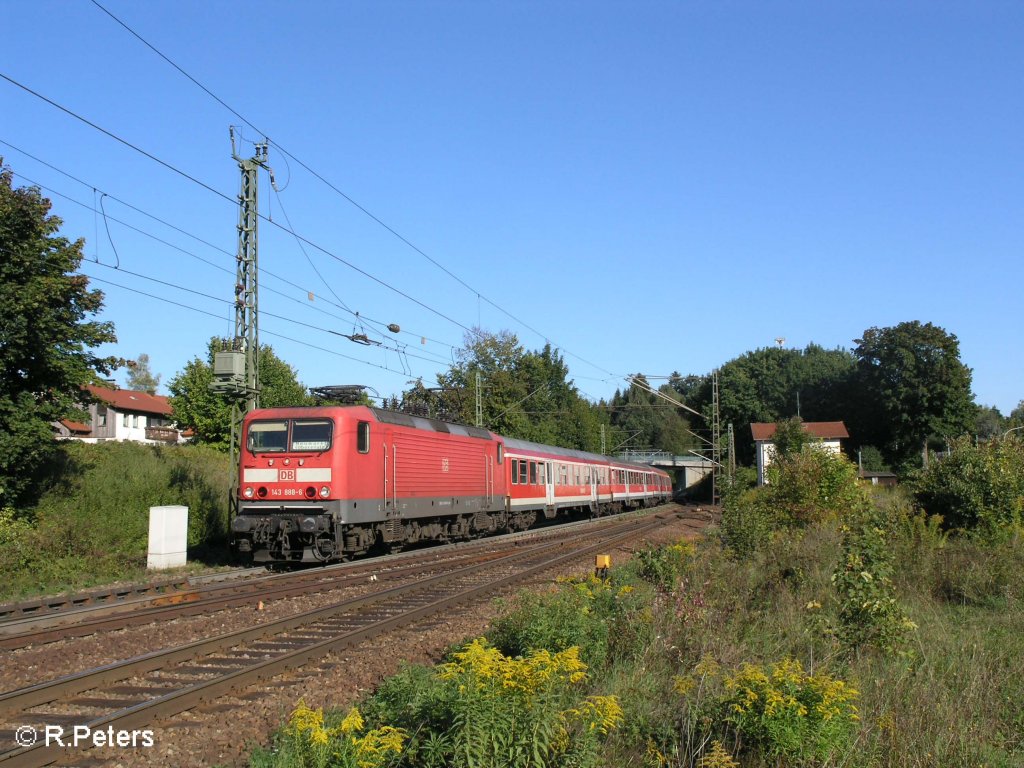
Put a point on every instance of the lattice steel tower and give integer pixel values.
(236, 366)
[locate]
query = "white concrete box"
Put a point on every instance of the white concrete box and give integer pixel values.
(168, 537)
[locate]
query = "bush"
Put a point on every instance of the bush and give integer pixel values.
(92, 520)
(484, 708)
(307, 741)
(804, 487)
(783, 712)
(979, 488)
(869, 614)
(605, 620)
(747, 521)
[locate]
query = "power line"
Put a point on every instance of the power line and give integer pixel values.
(268, 333)
(345, 196)
(268, 314)
(309, 242)
(193, 236)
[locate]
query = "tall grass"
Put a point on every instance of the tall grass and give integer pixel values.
(91, 523)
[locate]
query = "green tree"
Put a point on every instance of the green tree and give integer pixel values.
(208, 414)
(988, 422)
(46, 340)
(524, 394)
(140, 377)
(771, 384)
(790, 437)
(914, 388)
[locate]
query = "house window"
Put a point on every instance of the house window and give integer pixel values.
(124, 419)
(101, 417)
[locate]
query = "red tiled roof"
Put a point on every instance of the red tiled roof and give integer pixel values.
(127, 400)
(823, 430)
(76, 427)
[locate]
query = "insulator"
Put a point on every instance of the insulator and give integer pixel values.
(394, 327)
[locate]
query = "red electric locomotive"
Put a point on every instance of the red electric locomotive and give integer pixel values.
(326, 483)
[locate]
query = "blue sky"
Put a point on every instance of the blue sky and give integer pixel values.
(652, 186)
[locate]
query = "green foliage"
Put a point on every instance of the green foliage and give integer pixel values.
(46, 341)
(92, 522)
(208, 414)
(869, 613)
(872, 460)
(747, 521)
(765, 384)
(813, 485)
(661, 566)
(988, 422)
(979, 488)
(805, 487)
(641, 419)
(482, 709)
(914, 387)
(308, 741)
(524, 394)
(790, 437)
(783, 712)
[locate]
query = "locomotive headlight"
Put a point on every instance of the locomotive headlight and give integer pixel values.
(325, 492)
(248, 492)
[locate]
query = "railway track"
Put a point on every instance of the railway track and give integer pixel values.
(90, 613)
(131, 694)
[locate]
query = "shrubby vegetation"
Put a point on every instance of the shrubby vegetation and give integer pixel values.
(858, 632)
(977, 488)
(92, 520)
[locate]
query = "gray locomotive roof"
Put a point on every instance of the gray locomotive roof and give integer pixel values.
(431, 425)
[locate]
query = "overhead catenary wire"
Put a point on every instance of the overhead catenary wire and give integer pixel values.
(341, 193)
(206, 186)
(276, 316)
(268, 333)
(191, 235)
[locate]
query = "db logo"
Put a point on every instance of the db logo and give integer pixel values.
(444, 465)
(285, 475)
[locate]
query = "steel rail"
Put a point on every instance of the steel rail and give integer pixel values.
(204, 690)
(19, 619)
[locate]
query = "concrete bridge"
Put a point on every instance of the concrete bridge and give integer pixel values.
(689, 470)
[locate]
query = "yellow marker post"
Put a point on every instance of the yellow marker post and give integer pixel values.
(601, 565)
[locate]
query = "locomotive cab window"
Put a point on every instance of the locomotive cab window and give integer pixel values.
(363, 437)
(501, 452)
(311, 435)
(268, 436)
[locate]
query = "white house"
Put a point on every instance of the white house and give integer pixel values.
(122, 414)
(827, 433)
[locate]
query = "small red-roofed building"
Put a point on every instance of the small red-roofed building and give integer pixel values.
(827, 434)
(123, 414)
